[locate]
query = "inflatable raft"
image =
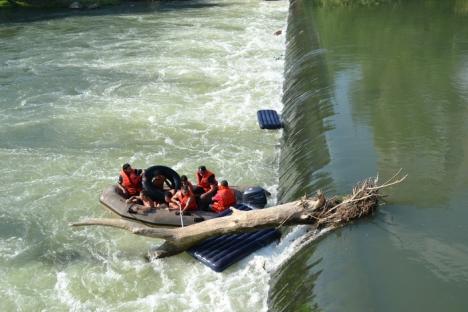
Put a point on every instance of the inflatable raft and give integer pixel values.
(112, 198)
(218, 253)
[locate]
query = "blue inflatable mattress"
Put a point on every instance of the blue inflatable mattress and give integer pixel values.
(220, 252)
(269, 119)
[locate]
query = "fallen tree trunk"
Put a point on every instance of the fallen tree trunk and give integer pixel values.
(319, 212)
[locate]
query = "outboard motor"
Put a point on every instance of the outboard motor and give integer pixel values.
(255, 197)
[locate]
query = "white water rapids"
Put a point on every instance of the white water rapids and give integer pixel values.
(176, 84)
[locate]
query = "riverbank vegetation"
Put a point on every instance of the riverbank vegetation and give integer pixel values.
(340, 3)
(41, 4)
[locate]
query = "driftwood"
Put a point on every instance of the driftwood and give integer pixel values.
(318, 212)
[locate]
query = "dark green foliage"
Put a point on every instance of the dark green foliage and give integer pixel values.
(52, 3)
(340, 3)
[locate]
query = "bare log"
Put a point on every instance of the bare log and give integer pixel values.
(319, 212)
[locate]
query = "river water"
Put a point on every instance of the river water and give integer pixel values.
(174, 83)
(369, 91)
(366, 91)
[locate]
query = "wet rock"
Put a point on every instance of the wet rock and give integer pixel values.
(93, 6)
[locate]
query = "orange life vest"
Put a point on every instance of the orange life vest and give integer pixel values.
(184, 199)
(202, 180)
(224, 198)
(131, 183)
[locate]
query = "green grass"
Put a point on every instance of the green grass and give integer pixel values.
(15, 4)
(4, 4)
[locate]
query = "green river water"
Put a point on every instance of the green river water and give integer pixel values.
(369, 91)
(175, 84)
(362, 91)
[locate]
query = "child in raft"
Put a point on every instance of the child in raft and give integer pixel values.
(143, 199)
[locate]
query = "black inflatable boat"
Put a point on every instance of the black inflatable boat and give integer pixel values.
(112, 198)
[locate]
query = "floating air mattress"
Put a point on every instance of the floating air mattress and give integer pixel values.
(269, 119)
(220, 252)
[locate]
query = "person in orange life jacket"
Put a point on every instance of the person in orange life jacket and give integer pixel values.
(184, 181)
(144, 199)
(130, 180)
(224, 198)
(206, 183)
(185, 199)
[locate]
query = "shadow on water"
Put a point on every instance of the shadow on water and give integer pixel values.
(288, 294)
(307, 104)
(19, 15)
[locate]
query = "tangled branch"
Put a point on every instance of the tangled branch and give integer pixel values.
(362, 202)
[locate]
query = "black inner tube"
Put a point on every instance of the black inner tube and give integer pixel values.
(172, 180)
